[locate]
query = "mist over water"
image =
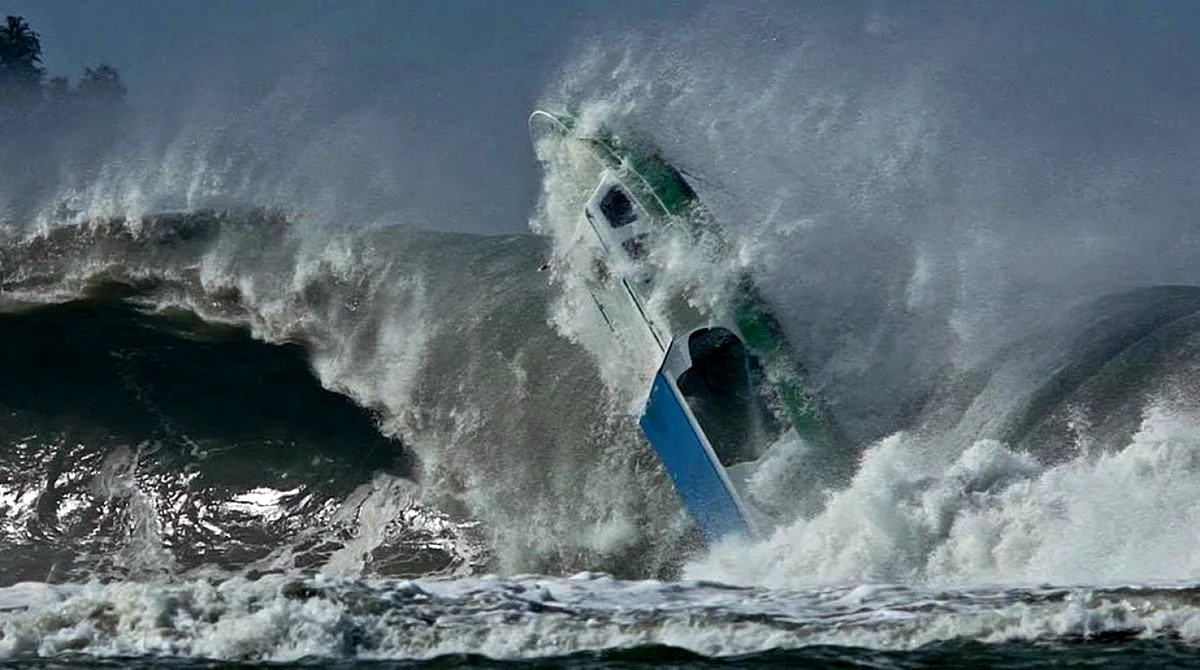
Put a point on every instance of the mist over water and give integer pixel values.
(942, 203)
(921, 188)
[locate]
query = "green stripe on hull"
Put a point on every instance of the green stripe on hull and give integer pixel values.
(761, 332)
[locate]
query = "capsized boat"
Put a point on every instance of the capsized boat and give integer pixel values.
(728, 385)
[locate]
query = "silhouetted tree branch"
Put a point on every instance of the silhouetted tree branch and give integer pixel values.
(101, 83)
(20, 56)
(21, 73)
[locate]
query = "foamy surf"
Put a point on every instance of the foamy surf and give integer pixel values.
(278, 619)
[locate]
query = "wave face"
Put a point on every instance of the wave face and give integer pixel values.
(253, 411)
(137, 445)
(208, 390)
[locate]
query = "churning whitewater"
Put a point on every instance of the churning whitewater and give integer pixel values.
(249, 415)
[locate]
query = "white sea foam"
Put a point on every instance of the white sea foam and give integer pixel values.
(994, 516)
(275, 619)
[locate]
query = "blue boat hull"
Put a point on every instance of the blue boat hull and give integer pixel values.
(690, 461)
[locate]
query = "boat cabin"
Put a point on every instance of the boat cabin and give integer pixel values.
(620, 221)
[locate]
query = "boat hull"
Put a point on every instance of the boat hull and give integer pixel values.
(728, 386)
(688, 457)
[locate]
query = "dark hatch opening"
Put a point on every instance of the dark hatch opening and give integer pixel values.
(722, 390)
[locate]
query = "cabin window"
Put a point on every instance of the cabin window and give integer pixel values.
(617, 208)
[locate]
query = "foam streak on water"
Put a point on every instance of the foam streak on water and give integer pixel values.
(274, 619)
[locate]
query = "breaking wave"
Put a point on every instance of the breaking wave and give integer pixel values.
(197, 372)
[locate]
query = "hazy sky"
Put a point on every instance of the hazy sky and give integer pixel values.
(435, 93)
(456, 78)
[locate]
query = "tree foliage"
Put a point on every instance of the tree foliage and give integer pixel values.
(22, 74)
(20, 55)
(101, 83)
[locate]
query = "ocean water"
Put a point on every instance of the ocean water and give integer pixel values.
(254, 413)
